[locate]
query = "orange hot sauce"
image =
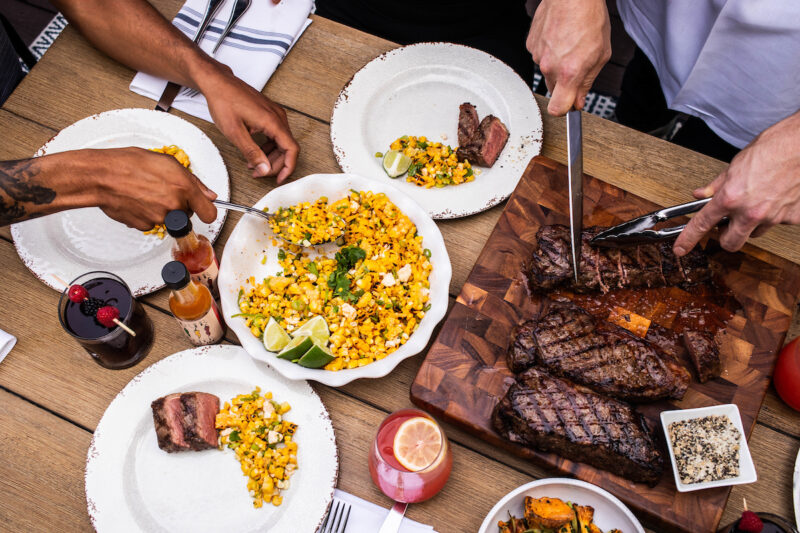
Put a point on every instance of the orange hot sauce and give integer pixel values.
(192, 305)
(194, 251)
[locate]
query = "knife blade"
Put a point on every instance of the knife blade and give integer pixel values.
(575, 170)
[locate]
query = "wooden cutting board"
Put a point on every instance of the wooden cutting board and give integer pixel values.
(465, 374)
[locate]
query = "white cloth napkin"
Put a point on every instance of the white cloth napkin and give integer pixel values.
(366, 516)
(258, 43)
(7, 341)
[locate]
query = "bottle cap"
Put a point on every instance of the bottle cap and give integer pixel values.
(178, 223)
(175, 275)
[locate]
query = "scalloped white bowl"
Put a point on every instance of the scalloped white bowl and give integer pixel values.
(251, 241)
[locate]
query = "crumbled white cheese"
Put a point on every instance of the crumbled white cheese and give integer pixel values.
(311, 277)
(388, 280)
(273, 437)
(404, 273)
(348, 311)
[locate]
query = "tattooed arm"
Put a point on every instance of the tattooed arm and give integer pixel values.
(133, 186)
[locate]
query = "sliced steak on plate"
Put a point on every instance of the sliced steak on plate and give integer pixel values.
(569, 342)
(467, 122)
(603, 269)
(484, 146)
(553, 415)
(704, 352)
(186, 421)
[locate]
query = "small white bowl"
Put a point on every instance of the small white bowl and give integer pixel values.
(251, 241)
(609, 512)
(747, 471)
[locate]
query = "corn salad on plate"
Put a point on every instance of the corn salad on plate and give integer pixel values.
(341, 311)
(133, 485)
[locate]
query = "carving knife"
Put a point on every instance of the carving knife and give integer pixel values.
(575, 170)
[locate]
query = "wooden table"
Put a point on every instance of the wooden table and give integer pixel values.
(52, 395)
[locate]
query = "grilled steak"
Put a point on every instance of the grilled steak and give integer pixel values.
(467, 122)
(704, 353)
(603, 269)
(186, 421)
(553, 415)
(484, 146)
(569, 342)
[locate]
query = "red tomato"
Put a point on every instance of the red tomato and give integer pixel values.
(787, 374)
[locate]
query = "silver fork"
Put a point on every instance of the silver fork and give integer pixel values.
(336, 521)
(239, 9)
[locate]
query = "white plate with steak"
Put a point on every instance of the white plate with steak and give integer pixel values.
(418, 90)
(134, 484)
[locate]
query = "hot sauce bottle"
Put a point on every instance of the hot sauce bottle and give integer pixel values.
(192, 305)
(194, 251)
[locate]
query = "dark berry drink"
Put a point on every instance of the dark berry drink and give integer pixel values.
(111, 347)
(771, 524)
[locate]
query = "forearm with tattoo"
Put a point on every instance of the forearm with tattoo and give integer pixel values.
(22, 196)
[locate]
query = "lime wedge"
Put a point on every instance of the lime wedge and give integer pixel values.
(275, 337)
(316, 357)
(317, 329)
(396, 163)
(296, 348)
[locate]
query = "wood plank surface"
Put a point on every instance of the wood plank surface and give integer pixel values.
(465, 372)
(48, 368)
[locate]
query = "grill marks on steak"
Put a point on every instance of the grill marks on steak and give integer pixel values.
(553, 415)
(603, 269)
(570, 342)
(186, 421)
(480, 144)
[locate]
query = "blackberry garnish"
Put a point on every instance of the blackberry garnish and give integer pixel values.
(90, 306)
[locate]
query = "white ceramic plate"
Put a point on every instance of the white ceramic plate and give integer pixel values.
(251, 240)
(609, 512)
(747, 470)
(796, 490)
(416, 90)
(132, 485)
(71, 243)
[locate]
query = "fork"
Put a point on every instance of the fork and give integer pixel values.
(336, 521)
(239, 9)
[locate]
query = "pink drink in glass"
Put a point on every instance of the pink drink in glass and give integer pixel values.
(397, 482)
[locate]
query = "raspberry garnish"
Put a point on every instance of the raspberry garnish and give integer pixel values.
(750, 523)
(106, 315)
(78, 293)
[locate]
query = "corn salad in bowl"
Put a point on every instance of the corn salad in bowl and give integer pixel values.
(363, 305)
(372, 293)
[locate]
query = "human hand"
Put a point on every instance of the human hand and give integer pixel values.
(239, 111)
(138, 187)
(759, 189)
(570, 40)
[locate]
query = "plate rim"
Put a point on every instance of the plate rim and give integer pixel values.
(373, 370)
(29, 260)
(343, 97)
(198, 351)
(556, 481)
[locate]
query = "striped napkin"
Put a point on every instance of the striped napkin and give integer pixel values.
(366, 516)
(253, 50)
(7, 341)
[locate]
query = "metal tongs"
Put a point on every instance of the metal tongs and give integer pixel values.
(637, 230)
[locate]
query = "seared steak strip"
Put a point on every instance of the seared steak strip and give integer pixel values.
(467, 123)
(553, 415)
(186, 421)
(569, 342)
(604, 269)
(704, 352)
(484, 146)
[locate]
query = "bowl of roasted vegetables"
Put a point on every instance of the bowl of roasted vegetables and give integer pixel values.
(560, 505)
(348, 280)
